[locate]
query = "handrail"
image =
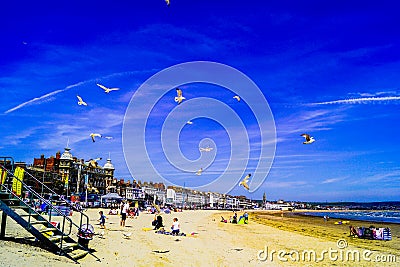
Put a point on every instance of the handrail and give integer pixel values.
(52, 207)
(63, 201)
(35, 212)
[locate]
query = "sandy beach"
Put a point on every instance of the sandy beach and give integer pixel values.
(214, 243)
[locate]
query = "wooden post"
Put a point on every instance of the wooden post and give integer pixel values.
(3, 225)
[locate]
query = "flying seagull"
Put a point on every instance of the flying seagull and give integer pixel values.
(106, 89)
(92, 162)
(93, 135)
(81, 102)
(309, 139)
(206, 149)
(245, 181)
(199, 171)
(179, 98)
(189, 122)
(167, 1)
(237, 97)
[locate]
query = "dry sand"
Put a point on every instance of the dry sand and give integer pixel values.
(215, 244)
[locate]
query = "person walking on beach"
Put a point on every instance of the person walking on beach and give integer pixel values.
(102, 220)
(124, 212)
(175, 227)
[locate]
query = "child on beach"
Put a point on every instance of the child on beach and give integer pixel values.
(102, 220)
(175, 227)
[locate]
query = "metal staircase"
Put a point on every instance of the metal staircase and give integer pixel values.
(61, 238)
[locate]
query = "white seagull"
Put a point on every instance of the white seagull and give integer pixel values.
(106, 89)
(179, 98)
(93, 162)
(189, 122)
(101, 235)
(237, 97)
(81, 102)
(93, 135)
(127, 235)
(167, 1)
(245, 181)
(199, 172)
(206, 149)
(309, 139)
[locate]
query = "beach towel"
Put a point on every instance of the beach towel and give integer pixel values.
(17, 181)
(241, 221)
(3, 176)
(378, 233)
(387, 235)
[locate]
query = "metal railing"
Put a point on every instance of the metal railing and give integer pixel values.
(52, 208)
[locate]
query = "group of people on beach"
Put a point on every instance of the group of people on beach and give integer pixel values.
(125, 211)
(158, 225)
(234, 219)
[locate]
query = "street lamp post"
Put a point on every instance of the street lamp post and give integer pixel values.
(44, 172)
(183, 196)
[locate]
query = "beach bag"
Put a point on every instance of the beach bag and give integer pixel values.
(387, 235)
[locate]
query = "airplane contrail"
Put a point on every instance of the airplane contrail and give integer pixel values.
(363, 100)
(43, 98)
(36, 99)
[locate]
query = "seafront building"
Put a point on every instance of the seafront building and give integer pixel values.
(68, 175)
(80, 179)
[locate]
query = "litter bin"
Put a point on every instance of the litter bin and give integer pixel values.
(84, 242)
(85, 234)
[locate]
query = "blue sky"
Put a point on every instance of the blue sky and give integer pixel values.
(305, 59)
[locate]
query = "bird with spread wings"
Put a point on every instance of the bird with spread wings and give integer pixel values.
(237, 97)
(200, 171)
(309, 139)
(245, 181)
(81, 102)
(179, 97)
(93, 135)
(106, 89)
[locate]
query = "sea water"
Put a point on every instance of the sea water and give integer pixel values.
(372, 216)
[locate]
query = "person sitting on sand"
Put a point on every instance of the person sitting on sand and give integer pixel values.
(246, 217)
(102, 220)
(113, 211)
(157, 222)
(234, 219)
(175, 227)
